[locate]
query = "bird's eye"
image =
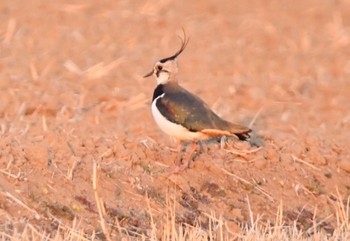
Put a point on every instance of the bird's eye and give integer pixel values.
(159, 67)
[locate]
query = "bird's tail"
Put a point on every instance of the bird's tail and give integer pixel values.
(243, 136)
(240, 131)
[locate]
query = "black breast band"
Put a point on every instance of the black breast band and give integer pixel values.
(158, 92)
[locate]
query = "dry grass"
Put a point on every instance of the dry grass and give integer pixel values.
(168, 227)
(172, 230)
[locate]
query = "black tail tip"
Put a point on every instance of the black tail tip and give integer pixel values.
(244, 136)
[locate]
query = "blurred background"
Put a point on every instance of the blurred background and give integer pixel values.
(241, 56)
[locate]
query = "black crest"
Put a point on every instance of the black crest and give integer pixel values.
(184, 42)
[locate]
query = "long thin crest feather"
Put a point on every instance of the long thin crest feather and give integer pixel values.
(184, 42)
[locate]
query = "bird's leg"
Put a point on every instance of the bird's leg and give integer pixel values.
(192, 155)
(198, 151)
(181, 149)
(183, 164)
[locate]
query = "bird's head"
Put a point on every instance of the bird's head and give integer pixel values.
(165, 69)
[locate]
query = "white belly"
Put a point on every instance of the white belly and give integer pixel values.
(175, 130)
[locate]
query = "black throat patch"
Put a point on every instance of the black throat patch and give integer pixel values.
(158, 92)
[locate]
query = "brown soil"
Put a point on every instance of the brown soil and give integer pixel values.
(72, 94)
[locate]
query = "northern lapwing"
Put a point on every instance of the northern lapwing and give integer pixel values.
(183, 115)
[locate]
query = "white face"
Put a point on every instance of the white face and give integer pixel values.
(163, 77)
(165, 72)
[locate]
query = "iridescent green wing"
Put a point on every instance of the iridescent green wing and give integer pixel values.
(189, 111)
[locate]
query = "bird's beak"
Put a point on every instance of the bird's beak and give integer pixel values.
(149, 74)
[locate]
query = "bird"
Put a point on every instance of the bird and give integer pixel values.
(182, 114)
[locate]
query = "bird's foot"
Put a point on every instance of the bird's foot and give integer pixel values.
(184, 164)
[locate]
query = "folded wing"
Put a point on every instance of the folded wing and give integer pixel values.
(181, 107)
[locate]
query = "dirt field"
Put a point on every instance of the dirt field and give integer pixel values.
(72, 94)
